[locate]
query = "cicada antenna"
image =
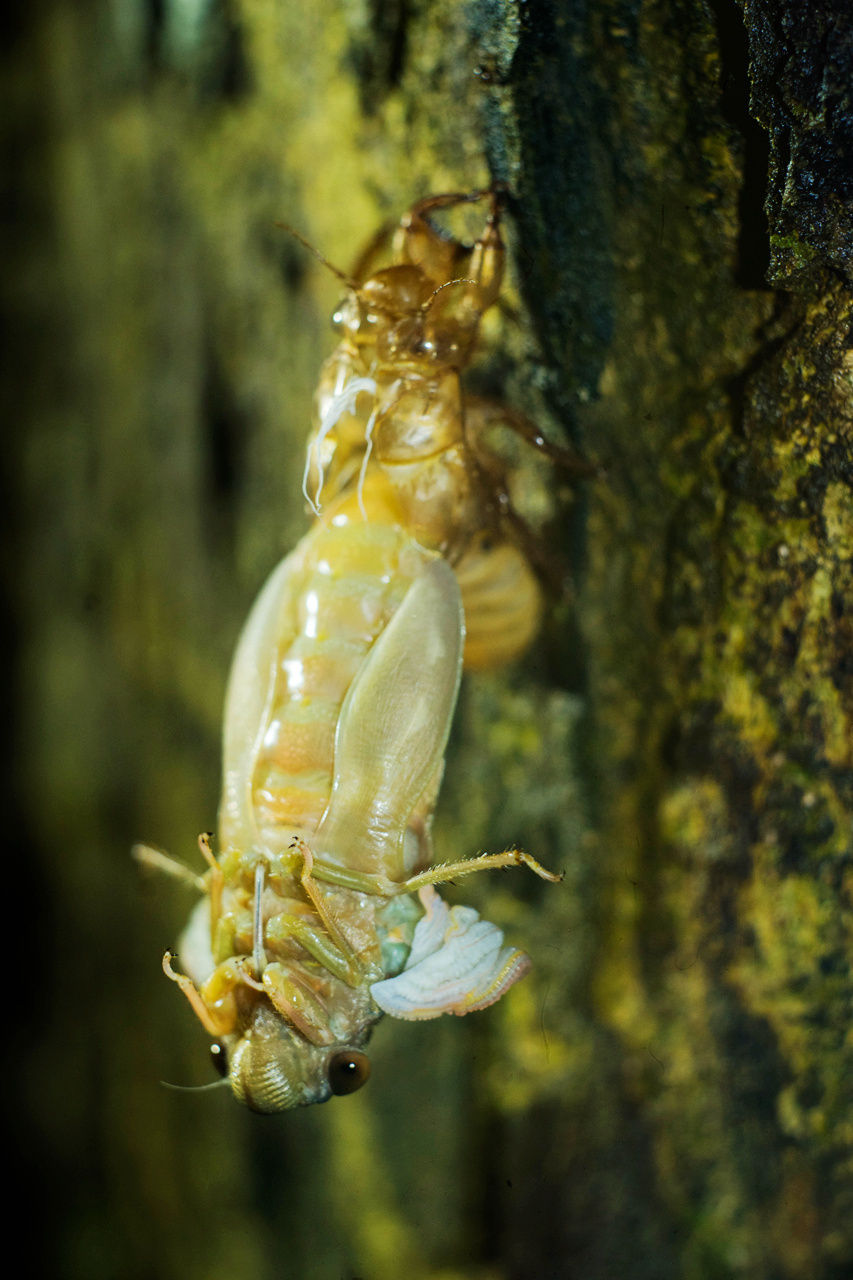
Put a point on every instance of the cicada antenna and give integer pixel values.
(321, 257)
(350, 283)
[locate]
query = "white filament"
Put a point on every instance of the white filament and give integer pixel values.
(343, 402)
(368, 440)
(259, 955)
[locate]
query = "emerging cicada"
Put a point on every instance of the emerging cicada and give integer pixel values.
(320, 912)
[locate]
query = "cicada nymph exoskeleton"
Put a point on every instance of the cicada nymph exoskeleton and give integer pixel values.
(391, 396)
(319, 912)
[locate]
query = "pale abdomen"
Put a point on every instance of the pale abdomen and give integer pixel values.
(341, 587)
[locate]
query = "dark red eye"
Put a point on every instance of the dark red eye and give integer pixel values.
(348, 1071)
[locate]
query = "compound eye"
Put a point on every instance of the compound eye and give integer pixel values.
(219, 1058)
(348, 1070)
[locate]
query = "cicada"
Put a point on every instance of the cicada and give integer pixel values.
(319, 912)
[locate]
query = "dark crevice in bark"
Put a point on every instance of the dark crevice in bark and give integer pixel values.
(753, 246)
(561, 196)
(584, 1203)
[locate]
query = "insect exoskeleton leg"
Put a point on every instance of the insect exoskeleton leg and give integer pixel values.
(337, 955)
(215, 1005)
(444, 258)
(482, 415)
(499, 573)
(483, 862)
(294, 999)
(285, 928)
(157, 860)
(440, 874)
(217, 882)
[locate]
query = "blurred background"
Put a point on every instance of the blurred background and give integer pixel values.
(668, 1094)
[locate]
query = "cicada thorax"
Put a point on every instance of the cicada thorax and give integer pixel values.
(408, 422)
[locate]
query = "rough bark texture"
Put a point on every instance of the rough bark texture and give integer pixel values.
(669, 1094)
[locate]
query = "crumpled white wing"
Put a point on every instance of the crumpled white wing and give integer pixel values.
(457, 964)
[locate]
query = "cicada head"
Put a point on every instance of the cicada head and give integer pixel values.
(426, 308)
(271, 1067)
(387, 312)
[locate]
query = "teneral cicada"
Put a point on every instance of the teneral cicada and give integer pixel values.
(320, 912)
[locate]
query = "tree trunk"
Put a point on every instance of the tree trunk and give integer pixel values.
(670, 1093)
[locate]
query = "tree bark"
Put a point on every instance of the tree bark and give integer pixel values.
(669, 1093)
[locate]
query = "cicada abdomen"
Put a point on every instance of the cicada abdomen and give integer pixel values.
(319, 913)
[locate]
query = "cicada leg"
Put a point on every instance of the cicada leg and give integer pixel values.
(290, 995)
(374, 248)
(159, 861)
(217, 882)
(443, 257)
(318, 944)
(216, 1022)
(491, 471)
(381, 885)
(295, 1000)
(330, 948)
(480, 414)
(468, 866)
(328, 921)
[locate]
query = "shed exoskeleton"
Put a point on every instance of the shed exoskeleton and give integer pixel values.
(391, 396)
(340, 701)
